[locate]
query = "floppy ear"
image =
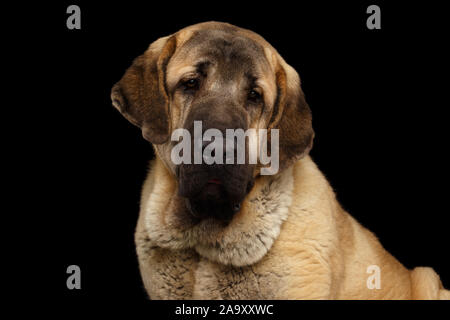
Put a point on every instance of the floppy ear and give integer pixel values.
(141, 94)
(292, 116)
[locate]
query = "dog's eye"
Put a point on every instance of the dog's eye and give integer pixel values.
(254, 95)
(191, 84)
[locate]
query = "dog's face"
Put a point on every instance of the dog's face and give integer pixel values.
(227, 78)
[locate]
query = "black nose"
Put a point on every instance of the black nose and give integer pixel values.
(228, 149)
(207, 143)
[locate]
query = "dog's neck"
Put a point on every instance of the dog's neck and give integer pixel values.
(243, 241)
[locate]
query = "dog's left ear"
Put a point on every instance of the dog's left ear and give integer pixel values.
(292, 116)
(141, 94)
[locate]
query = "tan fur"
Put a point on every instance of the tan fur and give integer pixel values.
(290, 240)
(319, 252)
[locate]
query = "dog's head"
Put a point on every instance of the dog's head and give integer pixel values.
(227, 78)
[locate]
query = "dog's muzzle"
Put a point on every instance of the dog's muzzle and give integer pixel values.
(215, 190)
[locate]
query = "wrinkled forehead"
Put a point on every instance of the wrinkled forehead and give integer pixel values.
(232, 55)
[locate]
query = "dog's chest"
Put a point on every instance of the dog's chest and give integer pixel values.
(183, 274)
(216, 281)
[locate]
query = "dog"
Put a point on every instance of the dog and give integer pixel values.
(227, 231)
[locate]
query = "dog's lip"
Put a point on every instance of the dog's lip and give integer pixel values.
(215, 181)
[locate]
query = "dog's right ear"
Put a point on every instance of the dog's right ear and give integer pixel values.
(141, 94)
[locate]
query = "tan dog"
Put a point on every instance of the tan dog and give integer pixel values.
(227, 232)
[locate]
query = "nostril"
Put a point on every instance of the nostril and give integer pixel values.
(205, 144)
(228, 148)
(209, 151)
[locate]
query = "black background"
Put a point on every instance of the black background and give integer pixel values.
(378, 99)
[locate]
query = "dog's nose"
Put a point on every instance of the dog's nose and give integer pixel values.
(225, 146)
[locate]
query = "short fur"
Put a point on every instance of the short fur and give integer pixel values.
(290, 239)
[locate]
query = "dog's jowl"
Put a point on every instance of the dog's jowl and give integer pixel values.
(213, 223)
